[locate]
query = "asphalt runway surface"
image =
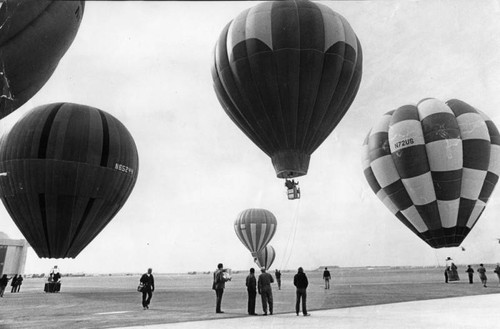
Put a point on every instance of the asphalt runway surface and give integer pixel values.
(187, 300)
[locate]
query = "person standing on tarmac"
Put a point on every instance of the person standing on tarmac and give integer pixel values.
(218, 285)
(251, 284)
(470, 273)
(265, 290)
(300, 281)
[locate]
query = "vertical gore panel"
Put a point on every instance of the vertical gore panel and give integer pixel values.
(105, 140)
(44, 138)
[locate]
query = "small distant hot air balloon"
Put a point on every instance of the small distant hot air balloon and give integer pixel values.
(286, 72)
(34, 36)
(69, 169)
(255, 228)
(265, 257)
(434, 165)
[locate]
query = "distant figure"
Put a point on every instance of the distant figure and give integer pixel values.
(4, 280)
(453, 275)
(265, 290)
(218, 285)
(148, 281)
(19, 283)
(277, 274)
(327, 277)
(251, 284)
(13, 284)
(300, 281)
(497, 271)
(447, 269)
(290, 184)
(482, 274)
(470, 272)
(56, 277)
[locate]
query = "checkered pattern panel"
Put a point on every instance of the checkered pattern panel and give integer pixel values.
(434, 165)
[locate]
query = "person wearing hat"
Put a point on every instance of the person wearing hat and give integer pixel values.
(265, 290)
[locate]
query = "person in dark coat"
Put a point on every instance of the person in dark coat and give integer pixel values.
(13, 284)
(148, 281)
(277, 274)
(327, 276)
(251, 284)
(4, 280)
(19, 283)
(265, 290)
(470, 272)
(300, 281)
(219, 284)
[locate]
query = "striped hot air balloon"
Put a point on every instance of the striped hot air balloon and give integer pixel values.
(255, 228)
(434, 165)
(286, 72)
(69, 169)
(265, 257)
(34, 36)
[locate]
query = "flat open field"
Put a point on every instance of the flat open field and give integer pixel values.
(111, 301)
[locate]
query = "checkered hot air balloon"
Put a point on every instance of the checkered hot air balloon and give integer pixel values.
(286, 72)
(434, 165)
(255, 228)
(265, 257)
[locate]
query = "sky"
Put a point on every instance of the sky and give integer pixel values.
(148, 64)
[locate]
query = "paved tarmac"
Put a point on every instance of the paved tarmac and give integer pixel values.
(458, 312)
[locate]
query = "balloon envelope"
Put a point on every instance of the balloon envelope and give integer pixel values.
(265, 257)
(434, 166)
(69, 169)
(255, 228)
(286, 72)
(34, 36)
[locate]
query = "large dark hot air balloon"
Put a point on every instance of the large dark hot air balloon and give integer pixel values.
(286, 72)
(34, 36)
(68, 169)
(434, 166)
(255, 228)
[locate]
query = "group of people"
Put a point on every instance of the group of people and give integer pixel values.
(451, 272)
(262, 286)
(482, 274)
(17, 281)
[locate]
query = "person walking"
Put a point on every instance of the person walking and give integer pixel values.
(300, 281)
(470, 272)
(148, 281)
(497, 271)
(265, 290)
(13, 284)
(251, 284)
(277, 274)
(482, 274)
(219, 283)
(4, 280)
(327, 277)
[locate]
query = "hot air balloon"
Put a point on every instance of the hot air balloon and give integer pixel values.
(255, 228)
(69, 169)
(286, 72)
(34, 36)
(265, 257)
(434, 165)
